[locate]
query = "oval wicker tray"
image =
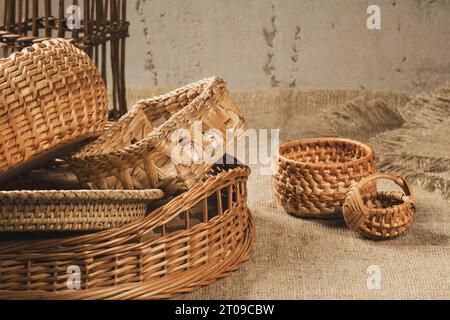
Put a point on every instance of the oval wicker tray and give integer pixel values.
(379, 215)
(313, 175)
(137, 151)
(196, 238)
(72, 210)
(52, 97)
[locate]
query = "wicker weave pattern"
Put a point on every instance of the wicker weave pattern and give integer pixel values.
(313, 175)
(72, 210)
(102, 34)
(379, 215)
(51, 96)
(136, 152)
(194, 239)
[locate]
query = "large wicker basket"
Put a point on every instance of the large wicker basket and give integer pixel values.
(196, 238)
(52, 97)
(137, 152)
(313, 175)
(72, 210)
(379, 215)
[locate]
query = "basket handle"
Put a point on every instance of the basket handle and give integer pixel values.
(400, 181)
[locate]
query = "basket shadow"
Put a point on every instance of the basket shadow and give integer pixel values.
(332, 223)
(418, 235)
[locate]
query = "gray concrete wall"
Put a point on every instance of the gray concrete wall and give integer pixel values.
(258, 44)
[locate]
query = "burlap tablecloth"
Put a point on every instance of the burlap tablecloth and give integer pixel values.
(313, 259)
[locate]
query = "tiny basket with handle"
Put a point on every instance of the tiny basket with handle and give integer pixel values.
(72, 210)
(379, 214)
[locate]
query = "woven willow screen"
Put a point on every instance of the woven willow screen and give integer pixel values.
(99, 27)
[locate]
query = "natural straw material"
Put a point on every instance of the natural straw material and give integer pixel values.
(138, 151)
(77, 210)
(379, 215)
(101, 32)
(313, 175)
(52, 97)
(196, 238)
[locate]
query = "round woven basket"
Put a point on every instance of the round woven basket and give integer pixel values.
(196, 238)
(379, 215)
(313, 175)
(52, 97)
(138, 151)
(72, 210)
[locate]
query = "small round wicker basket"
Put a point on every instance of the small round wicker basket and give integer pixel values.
(72, 210)
(379, 215)
(52, 97)
(313, 175)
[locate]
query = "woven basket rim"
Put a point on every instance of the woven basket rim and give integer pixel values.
(154, 136)
(369, 153)
(69, 196)
(36, 45)
(355, 209)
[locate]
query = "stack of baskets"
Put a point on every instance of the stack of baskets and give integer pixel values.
(332, 178)
(120, 216)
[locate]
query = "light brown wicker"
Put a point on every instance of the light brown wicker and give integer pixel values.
(313, 175)
(102, 34)
(52, 97)
(72, 210)
(379, 215)
(136, 152)
(54, 176)
(196, 238)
